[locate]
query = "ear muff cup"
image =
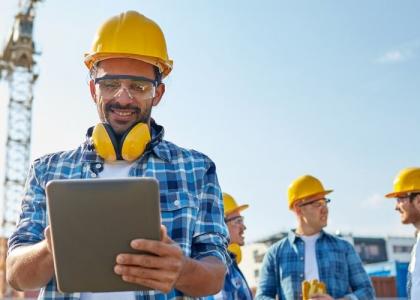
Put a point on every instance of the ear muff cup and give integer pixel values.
(135, 141)
(105, 142)
(132, 144)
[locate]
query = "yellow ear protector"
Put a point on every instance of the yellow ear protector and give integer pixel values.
(236, 249)
(130, 147)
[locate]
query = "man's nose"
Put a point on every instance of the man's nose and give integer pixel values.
(123, 95)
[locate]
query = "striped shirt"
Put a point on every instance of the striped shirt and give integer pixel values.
(190, 200)
(340, 268)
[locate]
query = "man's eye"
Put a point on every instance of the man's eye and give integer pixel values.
(138, 87)
(110, 84)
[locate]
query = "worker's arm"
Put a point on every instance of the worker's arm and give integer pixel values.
(30, 267)
(168, 268)
(29, 263)
(268, 283)
(360, 283)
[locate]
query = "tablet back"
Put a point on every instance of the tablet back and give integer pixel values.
(94, 220)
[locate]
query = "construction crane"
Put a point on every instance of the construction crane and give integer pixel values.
(17, 67)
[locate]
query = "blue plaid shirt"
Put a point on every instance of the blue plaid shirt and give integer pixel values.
(235, 286)
(190, 200)
(339, 266)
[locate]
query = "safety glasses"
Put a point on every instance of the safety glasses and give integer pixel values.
(237, 220)
(140, 88)
(317, 203)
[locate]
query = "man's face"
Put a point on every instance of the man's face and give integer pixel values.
(236, 226)
(409, 209)
(314, 212)
(123, 107)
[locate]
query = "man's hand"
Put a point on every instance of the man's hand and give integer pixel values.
(158, 270)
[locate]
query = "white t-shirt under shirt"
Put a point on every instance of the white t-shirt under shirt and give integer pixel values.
(116, 169)
(414, 270)
(311, 264)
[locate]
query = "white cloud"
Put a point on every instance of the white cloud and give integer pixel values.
(375, 200)
(400, 54)
(393, 56)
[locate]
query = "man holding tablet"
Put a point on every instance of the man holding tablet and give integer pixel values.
(127, 63)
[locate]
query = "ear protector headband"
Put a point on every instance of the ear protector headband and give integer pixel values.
(130, 147)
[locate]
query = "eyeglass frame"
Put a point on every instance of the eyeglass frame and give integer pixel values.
(409, 196)
(235, 218)
(124, 76)
(326, 201)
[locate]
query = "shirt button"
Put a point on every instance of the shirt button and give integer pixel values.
(301, 258)
(93, 175)
(176, 202)
(98, 166)
(301, 275)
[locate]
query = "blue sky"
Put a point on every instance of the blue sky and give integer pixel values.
(270, 90)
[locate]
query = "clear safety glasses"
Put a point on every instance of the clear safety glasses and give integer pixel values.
(317, 203)
(238, 220)
(137, 87)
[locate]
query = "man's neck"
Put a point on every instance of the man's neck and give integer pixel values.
(306, 230)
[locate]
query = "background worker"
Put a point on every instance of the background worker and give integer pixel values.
(235, 286)
(127, 63)
(407, 193)
(308, 252)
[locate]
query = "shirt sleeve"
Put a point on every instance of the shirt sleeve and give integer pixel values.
(210, 232)
(360, 283)
(32, 219)
(267, 288)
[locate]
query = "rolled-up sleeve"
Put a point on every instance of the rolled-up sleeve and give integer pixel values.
(210, 234)
(33, 218)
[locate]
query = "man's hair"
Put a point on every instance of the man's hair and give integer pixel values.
(94, 70)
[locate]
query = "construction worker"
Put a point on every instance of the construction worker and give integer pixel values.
(235, 286)
(309, 253)
(407, 193)
(127, 63)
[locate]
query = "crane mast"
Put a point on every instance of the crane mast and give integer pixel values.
(17, 68)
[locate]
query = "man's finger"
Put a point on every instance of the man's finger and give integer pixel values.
(145, 273)
(149, 261)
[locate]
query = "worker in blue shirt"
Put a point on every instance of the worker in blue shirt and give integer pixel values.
(235, 286)
(309, 253)
(127, 63)
(407, 194)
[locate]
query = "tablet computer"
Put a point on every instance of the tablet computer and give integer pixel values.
(94, 220)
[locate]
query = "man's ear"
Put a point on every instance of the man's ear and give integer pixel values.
(297, 210)
(92, 90)
(416, 201)
(160, 90)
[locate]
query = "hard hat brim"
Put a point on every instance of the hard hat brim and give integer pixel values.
(323, 193)
(237, 209)
(401, 193)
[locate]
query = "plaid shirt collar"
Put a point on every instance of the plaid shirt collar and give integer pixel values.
(293, 237)
(161, 150)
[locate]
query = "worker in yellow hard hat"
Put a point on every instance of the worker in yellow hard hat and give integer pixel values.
(310, 255)
(235, 286)
(128, 62)
(407, 193)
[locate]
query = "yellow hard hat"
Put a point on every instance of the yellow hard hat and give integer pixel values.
(130, 35)
(236, 249)
(230, 205)
(407, 181)
(304, 187)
